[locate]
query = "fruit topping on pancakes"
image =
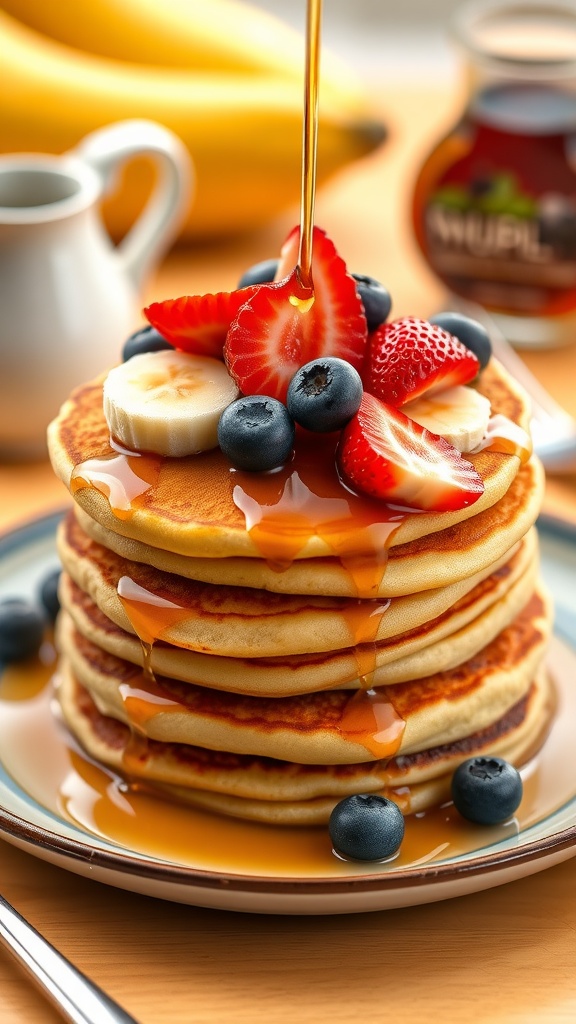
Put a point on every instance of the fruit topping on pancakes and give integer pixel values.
(198, 323)
(167, 402)
(259, 273)
(375, 298)
(460, 415)
(385, 454)
(256, 433)
(471, 333)
(283, 326)
(410, 357)
(324, 394)
(145, 339)
(305, 349)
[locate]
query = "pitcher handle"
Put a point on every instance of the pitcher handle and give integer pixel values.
(106, 149)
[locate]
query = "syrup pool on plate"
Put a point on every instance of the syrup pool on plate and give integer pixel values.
(44, 761)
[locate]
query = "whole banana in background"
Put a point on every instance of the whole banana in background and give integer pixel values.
(240, 121)
(194, 35)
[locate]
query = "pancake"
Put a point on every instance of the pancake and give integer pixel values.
(429, 562)
(278, 792)
(239, 621)
(327, 727)
(468, 624)
(197, 507)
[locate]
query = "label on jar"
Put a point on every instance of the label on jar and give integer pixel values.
(495, 211)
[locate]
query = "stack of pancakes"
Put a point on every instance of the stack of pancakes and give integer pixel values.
(265, 653)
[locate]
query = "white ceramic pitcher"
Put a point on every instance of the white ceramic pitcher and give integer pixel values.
(68, 297)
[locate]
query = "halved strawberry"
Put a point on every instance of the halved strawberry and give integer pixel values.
(408, 357)
(385, 454)
(198, 323)
(278, 330)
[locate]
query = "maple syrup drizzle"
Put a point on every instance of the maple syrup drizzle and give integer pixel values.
(45, 761)
(309, 146)
(283, 510)
(124, 477)
(150, 616)
(363, 619)
(134, 754)
(369, 718)
(505, 436)
(143, 701)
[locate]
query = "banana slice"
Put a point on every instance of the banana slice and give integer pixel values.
(167, 402)
(459, 414)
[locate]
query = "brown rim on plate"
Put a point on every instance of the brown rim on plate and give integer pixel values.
(142, 867)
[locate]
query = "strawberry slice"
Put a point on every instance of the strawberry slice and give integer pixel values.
(198, 323)
(409, 357)
(279, 329)
(385, 454)
(291, 248)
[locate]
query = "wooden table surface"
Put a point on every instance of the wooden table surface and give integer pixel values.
(506, 955)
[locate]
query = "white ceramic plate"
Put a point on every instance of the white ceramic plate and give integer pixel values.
(26, 554)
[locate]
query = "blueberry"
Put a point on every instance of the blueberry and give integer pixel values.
(486, 790)
(256, 433)
(375, 299)
(472, 334)
(48, 594)
(260, 273)
(366, 827)
(21, 629)
(147, 339)
(324, 394)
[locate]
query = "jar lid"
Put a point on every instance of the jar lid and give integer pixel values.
(532, 37)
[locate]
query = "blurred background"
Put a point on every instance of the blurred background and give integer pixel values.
(383, 39)
(226, 78)
(194, 67)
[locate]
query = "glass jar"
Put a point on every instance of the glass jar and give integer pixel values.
(495, 202)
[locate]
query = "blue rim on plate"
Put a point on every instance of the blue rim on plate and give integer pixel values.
(72, 847)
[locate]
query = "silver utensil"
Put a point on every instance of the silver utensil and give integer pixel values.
(76, 997)
(553, 429)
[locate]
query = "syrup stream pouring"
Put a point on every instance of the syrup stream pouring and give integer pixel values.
(309, 142)
(553, 429)
(76, 997)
